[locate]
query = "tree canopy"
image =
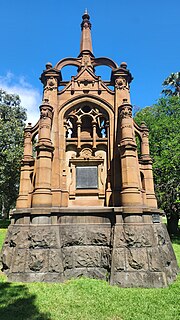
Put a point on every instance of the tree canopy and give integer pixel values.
(12, 123)
(172, 85)
(163, 121)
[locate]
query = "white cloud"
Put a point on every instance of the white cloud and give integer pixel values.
(30, 97)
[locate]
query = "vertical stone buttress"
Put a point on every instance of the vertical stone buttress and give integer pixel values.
(50, 79)
(42, 195)
(146, 161)
(127, 184)
(27, 167)
(130, 194)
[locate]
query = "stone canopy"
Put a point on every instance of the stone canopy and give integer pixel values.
(86, 203)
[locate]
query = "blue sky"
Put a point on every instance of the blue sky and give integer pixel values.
(145, 34)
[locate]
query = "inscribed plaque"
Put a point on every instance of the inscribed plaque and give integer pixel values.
(86, 177)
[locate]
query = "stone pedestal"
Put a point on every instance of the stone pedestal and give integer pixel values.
(67, 243)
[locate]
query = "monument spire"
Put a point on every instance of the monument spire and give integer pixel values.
(86, 42)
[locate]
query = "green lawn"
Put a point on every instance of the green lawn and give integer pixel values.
(87, 299)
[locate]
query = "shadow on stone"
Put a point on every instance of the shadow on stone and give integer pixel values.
(17, 303)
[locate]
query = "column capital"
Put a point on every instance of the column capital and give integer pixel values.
(125, 109)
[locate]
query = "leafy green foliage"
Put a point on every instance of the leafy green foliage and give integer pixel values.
(163, 121)
(12, 122)
(172, 85)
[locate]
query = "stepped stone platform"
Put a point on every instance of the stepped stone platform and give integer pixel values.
(126, 250)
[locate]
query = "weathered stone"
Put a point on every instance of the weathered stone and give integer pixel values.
(138, 236)
(42, 238)
(55, 261)
(166, 255)
(95, 273)
(127, 265)
(90, 257)
(18, 264)
(136, 259)
(139, 279)
(37, 260)
(53, 277)
(155, 263)
(119, 238)
(13, 237)
(6, 258)
(87, 256)
(68, 257)
(98, 236)
(72, 236)
(162, 235)
(118, 260)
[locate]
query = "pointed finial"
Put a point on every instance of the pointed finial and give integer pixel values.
(86, 23)
(86, 42)
(86, 11)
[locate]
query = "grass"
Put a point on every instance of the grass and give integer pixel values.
(87, 299)
(2, 236)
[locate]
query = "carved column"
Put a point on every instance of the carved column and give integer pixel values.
(42, 193)
(51, 78)
(27, 167)
(78, 134)
(145, 141)
(130, 194)
(94, 133)
(147, 168)
(121, 78)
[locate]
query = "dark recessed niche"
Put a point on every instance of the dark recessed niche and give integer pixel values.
(86, 109)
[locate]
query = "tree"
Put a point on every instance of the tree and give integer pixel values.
(12, 123)
(172, 85)
(163, 121)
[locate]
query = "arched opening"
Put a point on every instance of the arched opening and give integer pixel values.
(34, 143)
(102, 127)
(138, 143)
(86, 127)
(142, 181)
(71, 125)
(67, 72)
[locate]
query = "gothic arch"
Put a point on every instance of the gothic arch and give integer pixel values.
(87, 99)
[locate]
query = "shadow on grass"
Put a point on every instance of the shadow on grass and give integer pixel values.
(16, 303)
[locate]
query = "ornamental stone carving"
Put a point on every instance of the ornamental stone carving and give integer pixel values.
(27, 134)
(145, 134)
(126, 112)
(51, 84)
(121, 84)
(45, 112)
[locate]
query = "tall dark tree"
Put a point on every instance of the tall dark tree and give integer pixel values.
(172, 85)
(163, 120)
(12, 123)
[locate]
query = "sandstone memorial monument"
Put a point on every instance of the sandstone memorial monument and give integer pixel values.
(86, 204)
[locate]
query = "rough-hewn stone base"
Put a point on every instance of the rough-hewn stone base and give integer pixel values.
(126, 254)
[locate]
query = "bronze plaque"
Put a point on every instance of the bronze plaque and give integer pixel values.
(86, 177)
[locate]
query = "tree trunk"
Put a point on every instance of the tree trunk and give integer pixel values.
(172, 224)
